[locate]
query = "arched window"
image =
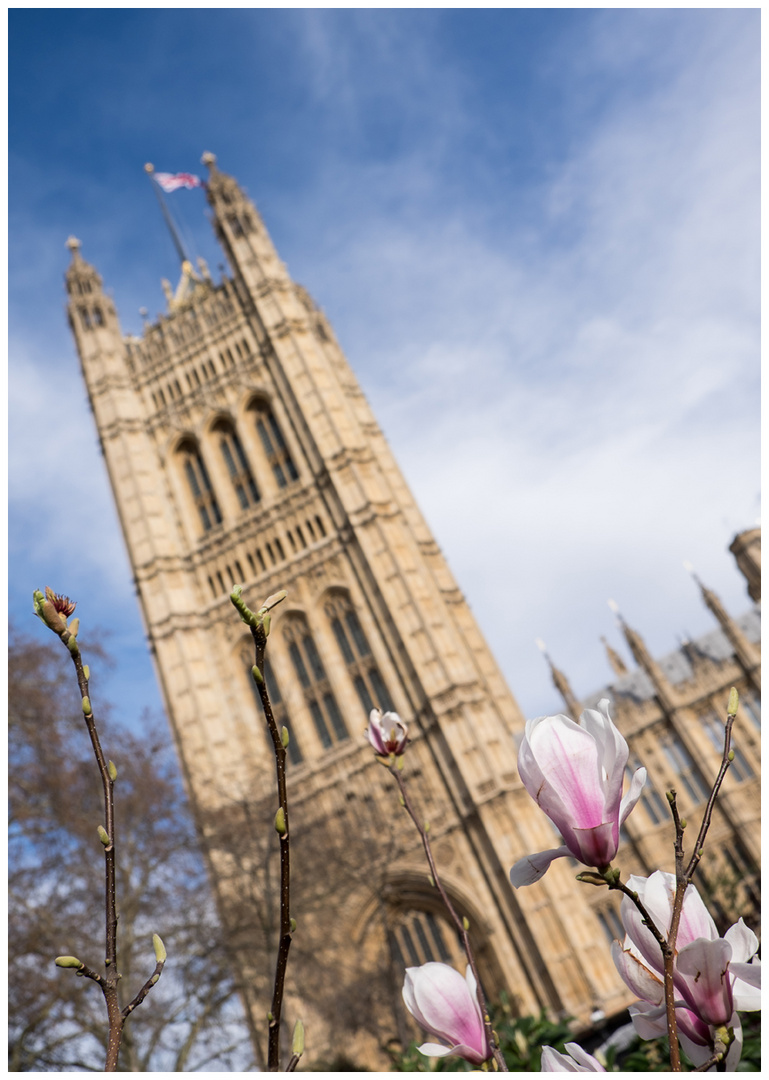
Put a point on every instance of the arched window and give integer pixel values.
(312, 677)
(278, 705)
(355, 650)
(200, 486)
(275, 449)
(237, 466)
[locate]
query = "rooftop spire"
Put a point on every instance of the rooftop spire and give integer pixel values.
(644, 659)
(743, 649)
(561, 683)
(617, 664)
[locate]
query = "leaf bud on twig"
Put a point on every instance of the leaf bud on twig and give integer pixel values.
(734, 701)
(280, 822)
(257, 674)
(266, 624)
(112, 770)
(683, 823)
(427, 826)
(74, 626)
(465, 922)
(87, 710)
(431, 879)
(72, 645)
(292, 924)
(68, 962)
(731, 755)
(103, 835)
(297, 1043)
(670, 796)
(272, 601)
(284, 736)
(160, 949)
(86, 672)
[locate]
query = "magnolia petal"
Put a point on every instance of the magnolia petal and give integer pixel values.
(577, 1060)
(696, 920)
(743, 941)
(613, 752)
(434, 1050)
(706, 984)
(746, 990)
(596, 846)
(441, 1002)
(649, 1023)
(568, 757)
(532, 867)
(582, 1057)
(633, 794)
(643, 982)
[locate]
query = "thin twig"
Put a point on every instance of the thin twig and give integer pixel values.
(459, 923)
(707, 816)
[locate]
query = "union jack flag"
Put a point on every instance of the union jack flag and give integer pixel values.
(171, 181)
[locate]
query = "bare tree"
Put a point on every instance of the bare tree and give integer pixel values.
(56, 1022)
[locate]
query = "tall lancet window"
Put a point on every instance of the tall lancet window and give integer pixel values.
(200, 486)
(237, 466)
(312, 677)
(274, 445)
(356, 652)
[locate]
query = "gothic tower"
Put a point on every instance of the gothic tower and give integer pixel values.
(241, 449)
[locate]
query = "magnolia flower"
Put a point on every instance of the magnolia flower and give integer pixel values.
(712, 976)
(577, 1060)
(51, 607)
(446, 1005)
(386, 733)
(575, 772)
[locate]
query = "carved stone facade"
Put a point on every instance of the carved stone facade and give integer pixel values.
(241, 449)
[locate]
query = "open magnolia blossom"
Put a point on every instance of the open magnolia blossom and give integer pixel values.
(446, 1005)
(714, 977)
(386, 732)
(576, 1060)
(576, 772)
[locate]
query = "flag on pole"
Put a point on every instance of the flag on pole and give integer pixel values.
(171, 181)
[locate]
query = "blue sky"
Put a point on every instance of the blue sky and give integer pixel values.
(535, 232)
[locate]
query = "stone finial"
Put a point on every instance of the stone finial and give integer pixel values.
(618, 665)
(209, 159)
(73, 244)
(149, 168)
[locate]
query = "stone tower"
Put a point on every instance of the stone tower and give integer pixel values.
(241, 449)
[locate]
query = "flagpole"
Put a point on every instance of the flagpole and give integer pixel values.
(183, 257)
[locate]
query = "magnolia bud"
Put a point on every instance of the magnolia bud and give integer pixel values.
(160, 949)
(401, 800)
(68, 962)
(74, 626)
(683, 823)
(297, 1043)
(734, 701)
(103, 836)
(72, 645)
(266, 624)
(273, 601)
(427, 826)
(731, 755)
(86, 672)
(431, 879)
(280, 822)
(284, 736)
(292, 923)
(465, 922)
(87, 710)
(112, 770)
(257, 674)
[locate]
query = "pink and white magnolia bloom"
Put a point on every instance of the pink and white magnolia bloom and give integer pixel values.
(576, 772)
(713, 977)
(446, 1005)
(386, 732)
(575, 1060)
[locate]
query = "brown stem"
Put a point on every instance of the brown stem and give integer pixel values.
(492, 1042)
(273, 1045)
(707, 816)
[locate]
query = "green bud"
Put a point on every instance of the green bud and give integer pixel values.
(590, 878)
(731, 755)
(68, 962)
(272, 601)
(266, 624)
(270, 1017)
(284, 736)
(465, 922)
(401, 800)
(670, 796)
(427, 826)
(104, 836)
(38, 599)
(297, 1042)
(160, 949)
(292, 924)
(154, 978)
(399, 762)
(112, 770)
(86, 672)
(280, 822)
(257, 674)
(245, 612)
(74, 626)
(72, 645)
(87, 710)
(431, 879)
(734, 701)
(683, 823)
